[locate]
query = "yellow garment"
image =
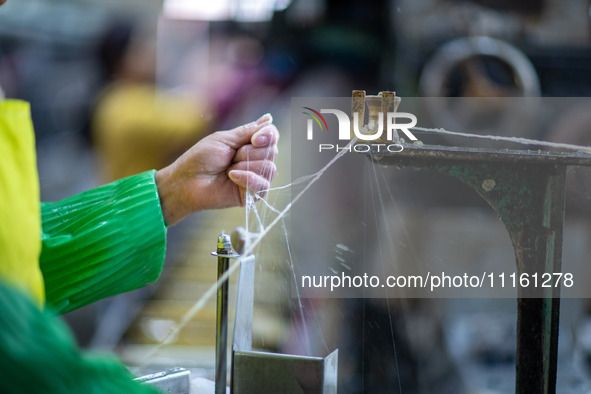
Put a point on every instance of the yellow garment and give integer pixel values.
(137, 128)
(20, 219)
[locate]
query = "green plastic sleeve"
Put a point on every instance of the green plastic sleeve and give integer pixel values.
(39, 355)
(102, 242)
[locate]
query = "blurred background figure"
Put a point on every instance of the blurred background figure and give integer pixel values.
(135, 125)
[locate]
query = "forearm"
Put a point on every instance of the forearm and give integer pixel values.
(102, 242)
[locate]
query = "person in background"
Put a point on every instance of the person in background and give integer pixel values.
(133, 124)
(58, 256)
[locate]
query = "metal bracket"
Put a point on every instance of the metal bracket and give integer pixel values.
(262, 372)
(526, 189)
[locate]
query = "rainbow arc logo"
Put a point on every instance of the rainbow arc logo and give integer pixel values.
(317, 117)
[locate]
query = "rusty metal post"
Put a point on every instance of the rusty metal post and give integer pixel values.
(526, 189)
(529, 199)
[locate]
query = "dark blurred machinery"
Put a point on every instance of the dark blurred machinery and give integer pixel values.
(527, 192)
(552, 36)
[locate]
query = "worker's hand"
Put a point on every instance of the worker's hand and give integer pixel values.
(217, 170)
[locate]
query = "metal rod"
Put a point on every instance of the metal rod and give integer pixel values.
(224, 249)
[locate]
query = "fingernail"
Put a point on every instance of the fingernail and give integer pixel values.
(232, 175)
(261, 140)
(264, 118)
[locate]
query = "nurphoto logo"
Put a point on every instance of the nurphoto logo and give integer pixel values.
(372, 133)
